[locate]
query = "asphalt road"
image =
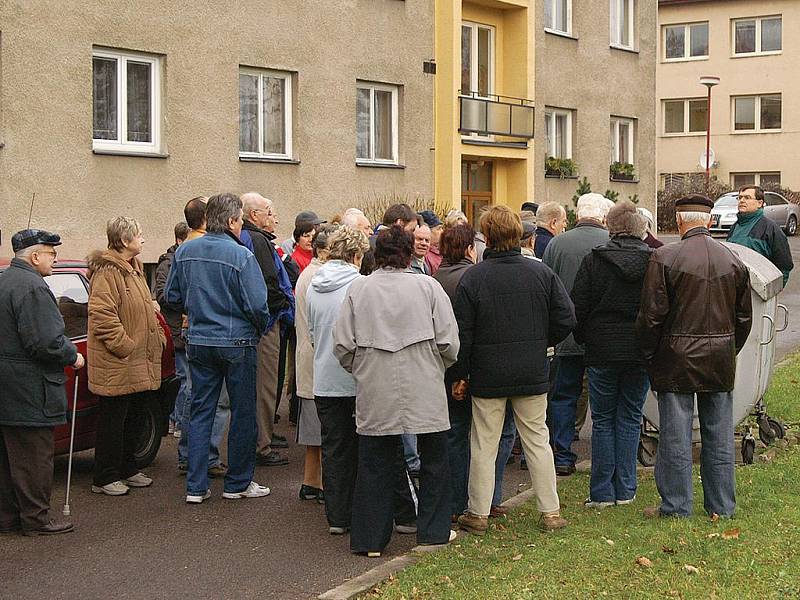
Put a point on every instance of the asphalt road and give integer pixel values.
(150, 544)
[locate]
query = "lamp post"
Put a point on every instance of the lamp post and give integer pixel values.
(709, 82)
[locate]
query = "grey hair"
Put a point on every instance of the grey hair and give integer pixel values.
(220, 209)
(251, 200)
(692, 216)
(26, 252)
(346, 243)
(455, 217)
(351, 217)
(593, 206)
(648, 216)
(624, 219)
(323, 236)
(549, 211)
(121, 230)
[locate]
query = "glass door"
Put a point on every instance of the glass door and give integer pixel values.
(476, 188)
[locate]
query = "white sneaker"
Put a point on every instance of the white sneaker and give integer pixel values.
(589, 503)
(115, 488)
(628, 501)
(191, 499)
(253, 491)
(138, 480)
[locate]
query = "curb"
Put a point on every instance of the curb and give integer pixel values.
(366, 581)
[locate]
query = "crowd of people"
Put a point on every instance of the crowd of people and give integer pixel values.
(413, 354)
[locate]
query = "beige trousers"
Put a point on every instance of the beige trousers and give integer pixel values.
(487, 425)
(267, 387)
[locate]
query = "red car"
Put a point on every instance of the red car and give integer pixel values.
(71, 289)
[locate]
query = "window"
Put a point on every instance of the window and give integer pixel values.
(73, 302)
(621, 140)
(477, 59)
(763, 179)
(757, 113)
(126, 98)
(376, 123)
(685, 116)
(622, 23)
(685, 41)
(558, 129)
(757, 36)
(265, 114)
(558, 15)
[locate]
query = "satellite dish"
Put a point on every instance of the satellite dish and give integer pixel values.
(712, 159)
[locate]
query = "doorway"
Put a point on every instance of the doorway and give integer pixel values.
(476, 188)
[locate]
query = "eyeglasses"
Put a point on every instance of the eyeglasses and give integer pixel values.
(746, 197)
(53, 252)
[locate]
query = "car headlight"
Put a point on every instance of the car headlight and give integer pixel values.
(729, 218)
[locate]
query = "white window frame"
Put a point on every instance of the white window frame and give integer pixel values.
(685, 132)
(614, 141)
(758, 128)
(121, 144)
(568, 9)
(756, 175)
(616, 7)
(287, 117)
(758, 51)
(395, 91)
(687, 42)
(551, 128)
(473, 70)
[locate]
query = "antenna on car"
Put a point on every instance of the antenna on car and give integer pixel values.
(30, 212)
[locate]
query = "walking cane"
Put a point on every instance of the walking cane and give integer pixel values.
(66, 510)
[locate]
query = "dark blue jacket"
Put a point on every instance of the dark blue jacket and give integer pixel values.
(280, 297)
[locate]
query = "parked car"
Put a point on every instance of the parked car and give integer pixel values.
(71, 289)
(776, 207)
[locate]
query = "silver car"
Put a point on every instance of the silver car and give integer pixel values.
(776, 207)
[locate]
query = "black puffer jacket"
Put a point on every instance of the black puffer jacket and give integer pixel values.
(509, 310)
(607, 294)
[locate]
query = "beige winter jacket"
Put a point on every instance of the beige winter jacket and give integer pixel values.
(125, 339)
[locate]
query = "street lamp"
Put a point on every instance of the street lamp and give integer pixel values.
(709, 82)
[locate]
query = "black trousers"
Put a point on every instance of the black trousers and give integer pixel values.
(381, 467)
(26, 476)
(339, 456)
(117, 433)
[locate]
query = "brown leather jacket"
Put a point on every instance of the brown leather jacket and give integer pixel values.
(695, 315)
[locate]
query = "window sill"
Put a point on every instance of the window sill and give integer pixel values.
(623, 49)
(378, 165)
(667, 61)
(561, 34)
(757, 54)
(121, 152)
(267, 159)
(478, 142)
(615, 180)
(549, 176)
(683, 135)
(756, 131)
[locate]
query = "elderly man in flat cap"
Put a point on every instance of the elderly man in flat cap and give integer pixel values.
(694, 319)
(33, 355)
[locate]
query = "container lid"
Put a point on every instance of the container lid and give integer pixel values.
(765, 278)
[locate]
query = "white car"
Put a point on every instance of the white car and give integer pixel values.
(776, 207)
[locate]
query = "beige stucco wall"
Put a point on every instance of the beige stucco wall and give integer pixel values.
(586, 75)
(46, 109)
(740, 152)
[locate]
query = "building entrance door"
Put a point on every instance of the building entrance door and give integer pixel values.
(476, 188)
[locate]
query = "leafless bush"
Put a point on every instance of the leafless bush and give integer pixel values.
(375, 204)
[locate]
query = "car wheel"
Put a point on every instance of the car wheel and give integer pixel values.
(147, 420)
(791, 226)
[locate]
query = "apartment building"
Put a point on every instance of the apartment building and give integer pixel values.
(120, 108)
(755, 109)
(533, 95)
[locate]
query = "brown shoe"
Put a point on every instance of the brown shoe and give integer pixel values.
(51, 528)
(552, 522)
(217, 471)
(473, 523)
(497, 512)
(652, 512)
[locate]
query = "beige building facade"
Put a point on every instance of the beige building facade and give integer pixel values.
(120, 108)
(753, 47)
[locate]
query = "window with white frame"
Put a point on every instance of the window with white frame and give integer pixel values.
(739, 180)
(762, 35)
(126, 101)
(477, 59)
(623, 19)
(558, 16)
(757, 113)
(685, 116)
(265, 114)
(558, 129)
(685, 41)
(376, 123)
(621, 140)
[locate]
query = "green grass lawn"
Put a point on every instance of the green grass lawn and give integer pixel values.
(754, 555)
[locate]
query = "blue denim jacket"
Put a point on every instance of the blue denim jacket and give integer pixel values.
(219, 284)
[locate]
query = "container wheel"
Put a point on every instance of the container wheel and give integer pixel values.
(778, 428)
(770, 429)
(647, 451)
(748, 449)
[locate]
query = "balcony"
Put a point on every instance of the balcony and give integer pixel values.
(493, 114)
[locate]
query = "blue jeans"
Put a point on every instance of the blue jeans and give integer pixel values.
(211, 367)
(503, 452)
(410, 451)
(616, 396)
(674, 457)
(562, 407)
(221, 418)
(458, 453)
(182, 397)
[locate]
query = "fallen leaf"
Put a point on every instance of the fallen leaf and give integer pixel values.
(517, 557)
(714, 517)
(682, 542)
(643, 561)
(712, 535)
(691, 569)
(667, 550)
(731, 534)
(610, 542)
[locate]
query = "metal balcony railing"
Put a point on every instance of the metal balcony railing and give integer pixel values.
(493, 114)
